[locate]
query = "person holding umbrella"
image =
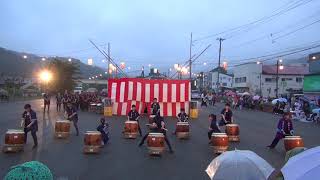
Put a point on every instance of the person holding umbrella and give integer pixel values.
(284, 128)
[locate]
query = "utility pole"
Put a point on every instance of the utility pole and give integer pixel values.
(277, 78)
(108, 60)
(190, 57)
(142, 72)
(218, 80)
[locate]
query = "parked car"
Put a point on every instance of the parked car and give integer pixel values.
(195, 94)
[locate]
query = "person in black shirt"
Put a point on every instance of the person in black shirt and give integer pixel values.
(155, 107)
(158, 126)
(103, 128)
(29, 118)
(72, 115)
(213, 128)
(134, 115)
(183, 116)
(226, 115)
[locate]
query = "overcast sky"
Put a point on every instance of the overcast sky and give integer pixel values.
(155, 32)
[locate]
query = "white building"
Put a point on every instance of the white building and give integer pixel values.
(225, 80)
(261, 79)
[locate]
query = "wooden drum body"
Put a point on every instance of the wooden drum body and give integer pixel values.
(14, 140)
(92, 142)
(131, 129)
(182, 130)
(62, 129)
(233, 132)
(291, 142)
(155, 143)
(220, 142)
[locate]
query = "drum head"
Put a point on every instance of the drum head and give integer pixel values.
(232, 125)
(182, 123)
(93, 132)
(63, 121)
(131, 122)
(15, 131)
(219, 135)
(292, 137)
(156, 134)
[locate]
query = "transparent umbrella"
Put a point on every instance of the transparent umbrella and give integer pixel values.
(239, 165)
(303, 166)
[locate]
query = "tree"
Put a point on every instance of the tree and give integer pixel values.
(65, 75)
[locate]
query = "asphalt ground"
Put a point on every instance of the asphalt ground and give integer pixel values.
(122, 158)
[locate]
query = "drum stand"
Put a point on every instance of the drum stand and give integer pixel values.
(128, 135)
(183, 135)
(155, 151)
(11, 148)
(234, 138)
(62, 135)
(91, 149)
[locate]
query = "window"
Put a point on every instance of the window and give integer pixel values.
(286, 79)
(299, 79)
(241, 80)
(224, 84)
(270, 79)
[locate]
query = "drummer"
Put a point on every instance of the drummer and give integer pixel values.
(213, 128)
(30, 124)
(158, 126)
(134, 115)
(182, 116)
(72, 115)
(226, 115)
(155, 107)
(284, 128)
(103, 128)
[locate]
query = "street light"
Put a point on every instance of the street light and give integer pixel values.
(43, 59)
(69, 59)
(204, 63)
(45, 76)
(279, 67)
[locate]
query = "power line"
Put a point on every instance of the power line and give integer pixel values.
(291, 5)
(291, 32)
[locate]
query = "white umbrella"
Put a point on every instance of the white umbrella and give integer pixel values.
(239, 165)
(92, 90)
(303, 166)
(280, 100)
(245, 93)
(256, 97)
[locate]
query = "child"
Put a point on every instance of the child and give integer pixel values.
(103, 128)
(182, 116)
(213, 128)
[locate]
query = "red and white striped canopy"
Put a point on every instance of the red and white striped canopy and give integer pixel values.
(171, 94)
